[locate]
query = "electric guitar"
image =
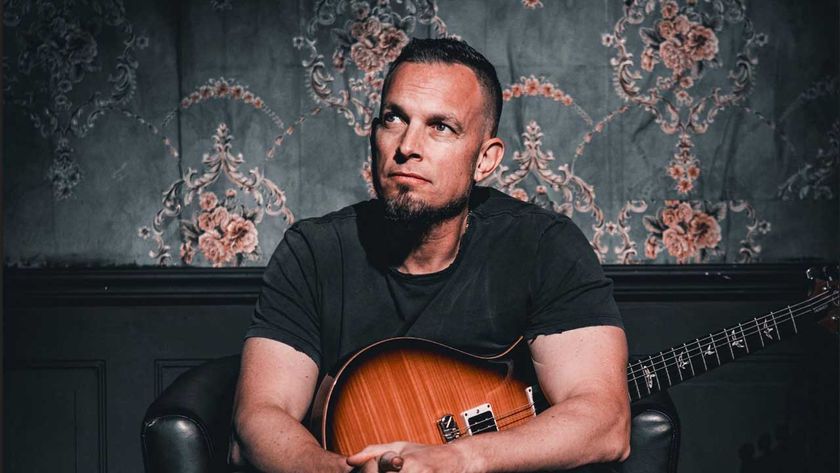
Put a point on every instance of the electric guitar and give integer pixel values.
(444, 393)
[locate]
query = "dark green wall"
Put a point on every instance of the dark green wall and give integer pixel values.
(109, 104)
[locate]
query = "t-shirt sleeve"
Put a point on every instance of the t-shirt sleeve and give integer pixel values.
(287, 309)
(569, 287)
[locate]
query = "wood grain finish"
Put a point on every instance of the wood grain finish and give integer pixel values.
(398, 389)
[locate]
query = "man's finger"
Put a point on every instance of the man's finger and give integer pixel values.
(390, 461)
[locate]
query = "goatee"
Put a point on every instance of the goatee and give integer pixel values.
(408, 220)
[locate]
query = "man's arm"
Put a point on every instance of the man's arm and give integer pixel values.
(582, 373)
(276, 385)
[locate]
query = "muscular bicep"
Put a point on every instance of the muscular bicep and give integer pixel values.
(274, 374)
(587, 360)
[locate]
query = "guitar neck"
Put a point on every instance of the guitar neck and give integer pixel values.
(682, 362)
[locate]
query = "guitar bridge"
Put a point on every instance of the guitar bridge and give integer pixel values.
(448, 428)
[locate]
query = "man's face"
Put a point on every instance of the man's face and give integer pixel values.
(431, 132)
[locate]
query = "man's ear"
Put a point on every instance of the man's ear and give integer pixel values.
(374, 126)
(489, 157)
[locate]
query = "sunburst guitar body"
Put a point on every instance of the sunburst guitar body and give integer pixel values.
(409, 389)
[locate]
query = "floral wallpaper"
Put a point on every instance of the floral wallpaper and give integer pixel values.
(194, 133)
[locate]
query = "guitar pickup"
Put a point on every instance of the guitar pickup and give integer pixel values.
(480, 419)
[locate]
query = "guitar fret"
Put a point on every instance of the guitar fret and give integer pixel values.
(711, 349)
(702, 356)
(729, 342)
(665, 366)
(793, 320)
(690, 363)
(778, 333)
(679, 362)
(744, 337)
(654, 374)
(635, 380)
(758, 330)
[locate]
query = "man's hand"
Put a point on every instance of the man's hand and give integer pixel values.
(407, 457)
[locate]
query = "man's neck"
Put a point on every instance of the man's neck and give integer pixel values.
(438, 249)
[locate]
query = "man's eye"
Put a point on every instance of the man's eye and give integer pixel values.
(441, 128)
(390, 118)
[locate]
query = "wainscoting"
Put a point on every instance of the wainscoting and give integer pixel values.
(86, 351)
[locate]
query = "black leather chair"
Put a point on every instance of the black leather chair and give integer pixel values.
(187, 428)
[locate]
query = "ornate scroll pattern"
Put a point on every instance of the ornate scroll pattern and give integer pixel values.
(679, 45)
(227, 89)
(575, 194)
(223, 232)
(54, 51)
(533, 86)
(814, 178)
(626, 252)
(690, 230)
(371, 37)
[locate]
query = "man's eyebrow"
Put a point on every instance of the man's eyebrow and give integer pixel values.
(448, 118)
(394, 108)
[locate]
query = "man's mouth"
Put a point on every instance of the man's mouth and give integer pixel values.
(407, 176)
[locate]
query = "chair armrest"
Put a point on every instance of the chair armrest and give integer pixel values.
(186, 429)
(654, 437)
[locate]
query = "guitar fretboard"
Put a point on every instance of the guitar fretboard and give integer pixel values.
(682, 362)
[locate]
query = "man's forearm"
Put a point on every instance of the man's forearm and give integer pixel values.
(275, 442)
(578, 431)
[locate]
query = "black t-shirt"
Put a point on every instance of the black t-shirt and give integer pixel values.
(520, 271)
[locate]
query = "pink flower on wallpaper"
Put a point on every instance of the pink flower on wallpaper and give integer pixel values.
(648, 59)
(678, 244)
(670, 9)
(684, 212)
(693, 172)
(377, 44)
(675, 171)
(391, 42)
(213, 248)
(532, 4)
(208, 200)
(187, 252)
(685, 230)
(701, 43)
(519, 193)
(667, 29)
(652, 247)
(240, 235)
(673, 56)
(532, 86)
(705, 230)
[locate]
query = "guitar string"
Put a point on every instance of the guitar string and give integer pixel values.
(488, 424)
(691, 352)
(724, 337)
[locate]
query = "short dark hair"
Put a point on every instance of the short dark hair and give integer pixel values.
(453, 51)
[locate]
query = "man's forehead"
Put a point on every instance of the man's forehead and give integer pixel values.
(453, 83)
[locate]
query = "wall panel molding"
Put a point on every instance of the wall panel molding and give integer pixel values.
(98, 367)
(199, 286)
(174, 365)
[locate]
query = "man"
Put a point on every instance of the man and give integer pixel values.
(436, 257)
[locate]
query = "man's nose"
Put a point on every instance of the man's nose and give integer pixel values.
(411, 142)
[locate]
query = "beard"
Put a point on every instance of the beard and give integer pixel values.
(407, 220)
(405, 210)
